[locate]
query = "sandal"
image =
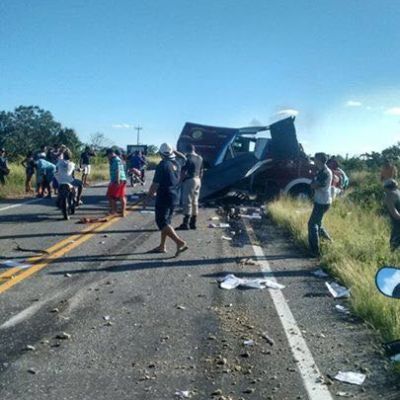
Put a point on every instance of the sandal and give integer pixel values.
(181, 249)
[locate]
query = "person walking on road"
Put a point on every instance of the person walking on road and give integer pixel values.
(166, 188)
(85, 164)
(322, 201)
(4, 170)
(392, 203)
(192, 173)
(117, 186)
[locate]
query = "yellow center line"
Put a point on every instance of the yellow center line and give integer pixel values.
(15, 275)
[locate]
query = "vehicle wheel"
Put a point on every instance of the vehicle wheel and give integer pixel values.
(64, 207)
(301, 192)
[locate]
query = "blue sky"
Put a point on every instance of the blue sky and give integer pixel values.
(106, 66)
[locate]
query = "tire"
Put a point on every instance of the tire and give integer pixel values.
(301, 191)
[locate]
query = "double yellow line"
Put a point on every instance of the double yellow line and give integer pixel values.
(14, 275)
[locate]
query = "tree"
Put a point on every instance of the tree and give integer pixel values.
(99, 141)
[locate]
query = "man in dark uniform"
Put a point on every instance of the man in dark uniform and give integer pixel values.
(392, 202)
(166, 188)
(192, 172)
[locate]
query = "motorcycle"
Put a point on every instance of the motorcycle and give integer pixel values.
(135, 177)
(67, 199)
(387, 281)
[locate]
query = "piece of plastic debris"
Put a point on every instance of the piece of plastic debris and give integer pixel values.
(183, 394)
(146, 212)
(106, 318)
(337, 291)
(30, 347)
(226, 238)
(342, 309)
(253, 216)
(343, 394)
(231, 281)
(268, 339)
(179, 307)
(320, 273)
(214, 218)
(354, 378)
(67, 275)
(249, 342)
(63, 336)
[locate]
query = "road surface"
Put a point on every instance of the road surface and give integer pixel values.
(95, 317)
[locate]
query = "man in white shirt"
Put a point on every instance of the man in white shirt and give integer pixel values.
(65, 169)
(322, 201)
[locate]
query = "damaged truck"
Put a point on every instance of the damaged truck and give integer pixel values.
(246, 160)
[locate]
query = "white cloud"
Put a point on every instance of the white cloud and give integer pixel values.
(353, 103)
(288, 112)
(122, 126)
(393, 111)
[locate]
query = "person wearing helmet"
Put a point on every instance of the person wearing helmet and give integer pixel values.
(165, 187)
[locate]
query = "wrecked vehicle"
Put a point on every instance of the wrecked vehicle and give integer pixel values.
(244, 159)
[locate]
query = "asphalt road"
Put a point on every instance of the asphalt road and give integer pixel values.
(142, 326)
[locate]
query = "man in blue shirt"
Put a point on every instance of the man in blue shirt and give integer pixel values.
(44, 175)
(166, 188)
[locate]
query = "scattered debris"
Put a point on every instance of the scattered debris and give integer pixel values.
(249, 261)
(183, 394)
(269, 340)
(106, 318)
(249, 342)
(337, 291)
(30, 348)
(217, 392)
(86, 220)
(179, 307)
(55, 310)
(63, 336)
(320, 273)
(226, 238)
(231, 282)
(67, 275)
(252, 216)
(19, 248)
(342, 309)
(146, 212)
(32, 371)
(214, 218)
(344, 394)
(355, 378)
(220, 225)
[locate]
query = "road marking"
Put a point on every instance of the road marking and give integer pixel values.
(306, 365)
(11, 277)
(20, 204)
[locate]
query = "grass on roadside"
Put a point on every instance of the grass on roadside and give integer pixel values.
(360, 247)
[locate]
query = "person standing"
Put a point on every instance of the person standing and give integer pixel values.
(45, 173)
(392, 203)
(29, 164)
(4, 170)
(388, 171)
(85, 164)
(192, 173)
(165, 187)
(322, 201)
(117, 186)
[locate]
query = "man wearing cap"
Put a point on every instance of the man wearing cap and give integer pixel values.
(117, 186)
(4, 170)
(322, 201)
(192, 172)
(392, 202)
(166, 188)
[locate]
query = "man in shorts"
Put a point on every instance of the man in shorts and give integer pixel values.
(166, 188)
(85, 165)
(117, 186)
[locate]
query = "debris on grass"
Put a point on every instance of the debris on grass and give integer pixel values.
(320, 273)
(342, 309)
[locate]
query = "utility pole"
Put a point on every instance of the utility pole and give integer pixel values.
(138, 128)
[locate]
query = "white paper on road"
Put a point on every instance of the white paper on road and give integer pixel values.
(12, 264)
(320, 273)
(183, 394)
(342, 309)
(337, 291)
(146, 212)
(231, 281)
(355, 378)
(226, 238)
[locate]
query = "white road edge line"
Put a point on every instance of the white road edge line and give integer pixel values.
(306, 365)
(24, 203)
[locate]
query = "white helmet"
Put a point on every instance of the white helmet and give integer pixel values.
(166, 150)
